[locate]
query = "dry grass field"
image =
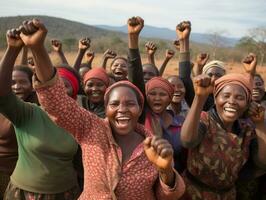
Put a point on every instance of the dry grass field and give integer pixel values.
(172, 67)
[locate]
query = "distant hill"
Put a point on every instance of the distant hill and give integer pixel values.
(168, 34)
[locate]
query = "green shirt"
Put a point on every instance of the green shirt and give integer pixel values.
(45, 150)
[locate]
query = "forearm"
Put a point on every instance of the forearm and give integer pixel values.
(44, 68)
(189, 132)
(24, 56)
(151, 59)
(163, 66)
(184, 45)
(62, 57)
(78, 59)
(6, 68)
(104, 63)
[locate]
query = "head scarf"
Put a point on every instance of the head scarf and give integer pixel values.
(73, 80)
(159, 82)
(98, 73)
(125, 84)
(243, 80)
(214, 63)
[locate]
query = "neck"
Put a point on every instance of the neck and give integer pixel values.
(124, 139)
(227, 125)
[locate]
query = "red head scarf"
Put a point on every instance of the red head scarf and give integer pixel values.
(243, 80)
(159, 82)
(68, 75)
(98, 73)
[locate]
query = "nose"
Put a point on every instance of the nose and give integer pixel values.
(232, 100)
(122, 107)
(16, 86)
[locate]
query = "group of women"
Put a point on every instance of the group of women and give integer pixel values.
(126, 134)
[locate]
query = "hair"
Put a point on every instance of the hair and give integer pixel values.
(120, 57)
(153, 66)
(24, 68)
(74, 72)
(124, 85)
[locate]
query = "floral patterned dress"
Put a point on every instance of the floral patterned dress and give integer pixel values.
(214, 164)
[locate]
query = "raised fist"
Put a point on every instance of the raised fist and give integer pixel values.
(90, 56)
(109, 54)
(202, 59)
(183, 30)
(57, 45)
(135, 25)
(33, 33)
(84, 43)
(177, 45)
(159, 152)
(13, 39)
(250, 63)
(150, 48)
(169, 53)
(203, 85)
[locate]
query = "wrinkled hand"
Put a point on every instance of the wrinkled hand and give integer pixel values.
(250, 63)
(159, 152)
(169, 53)
(183, 30)
(256, 112)
(135, 25)
(90, 56)
(109, 54)
(57, 45)
(203, 85)
(176, 43)
(33, 33)
(13, 39)
(84, 43)
(150, 48)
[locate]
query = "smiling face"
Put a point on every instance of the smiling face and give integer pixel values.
(179, 89)
(231, 102)
(258, 89)
(119, 69)
(123, 110)
(95, 89)
(158, 100)
(21, 85)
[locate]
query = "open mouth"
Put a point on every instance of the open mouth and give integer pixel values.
(118, 73)
(256, 93)
(122, 122)
(95, 94)
(230, 112)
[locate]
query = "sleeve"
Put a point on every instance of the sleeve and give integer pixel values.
(135, 76)
(16, 110)
(164, 192)
(254, 152)
(185, 76)
(64, 110)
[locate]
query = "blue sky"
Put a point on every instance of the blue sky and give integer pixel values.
(232, 17)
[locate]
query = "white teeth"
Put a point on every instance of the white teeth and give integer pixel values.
(123, 118)
(230, 109)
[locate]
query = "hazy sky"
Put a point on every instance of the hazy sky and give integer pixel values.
(234, 16)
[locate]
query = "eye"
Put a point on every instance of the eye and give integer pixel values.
(152, 93)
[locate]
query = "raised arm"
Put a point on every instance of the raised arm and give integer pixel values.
(151, 48)
(89, 58)
(57, 47)
(183, 32)
(168, 56)
(15, 45)
(24, 56)
(108, 54)
(51, 91)
(84, 44)
(190, 135)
